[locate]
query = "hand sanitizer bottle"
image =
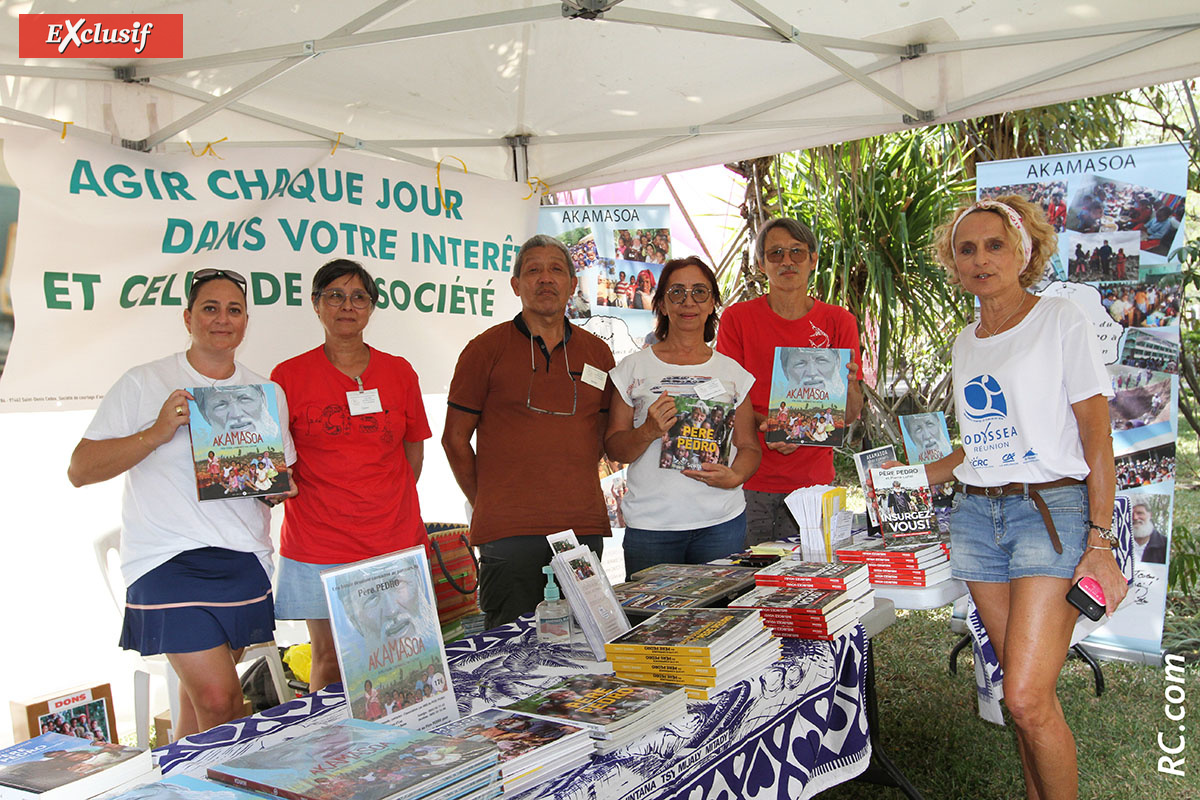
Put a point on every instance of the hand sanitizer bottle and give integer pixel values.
(553, 614)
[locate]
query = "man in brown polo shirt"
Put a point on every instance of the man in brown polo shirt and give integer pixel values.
(535, 393)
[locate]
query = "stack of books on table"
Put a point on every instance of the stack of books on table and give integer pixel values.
(615, 711)
(367, 761)
(533, 750)
(682, 586)
(807, 613)
(183, 787)
(705, 650)
(54, 766)
(916, 565)
(811, 600)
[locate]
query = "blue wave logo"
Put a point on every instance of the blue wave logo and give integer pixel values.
(984, 399)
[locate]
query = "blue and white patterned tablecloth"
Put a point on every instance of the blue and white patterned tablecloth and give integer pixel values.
(793, 731)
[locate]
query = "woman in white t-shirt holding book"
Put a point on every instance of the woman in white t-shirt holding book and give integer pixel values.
(697, 514)
(197, 575)
(1035, 475)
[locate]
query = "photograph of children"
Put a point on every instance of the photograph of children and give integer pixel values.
(1150, 348)
(649, 245)
(1103, 256)
(85, 721)
(1153, 303)
(926, 437)
(581, 245)
(1048, 195)
(1142, 408)
(1146, 467)
(1103, 205)
(627, 284)
(702, 434)
(513, 734)
(614, 487)
(808, 396)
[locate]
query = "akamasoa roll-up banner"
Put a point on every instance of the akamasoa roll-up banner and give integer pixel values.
(1119, 217)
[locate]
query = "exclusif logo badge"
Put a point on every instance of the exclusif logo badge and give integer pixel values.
(101, 36)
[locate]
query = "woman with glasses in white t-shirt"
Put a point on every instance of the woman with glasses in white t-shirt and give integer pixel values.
(697, 513)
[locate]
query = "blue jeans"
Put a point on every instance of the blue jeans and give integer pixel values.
(646, 548)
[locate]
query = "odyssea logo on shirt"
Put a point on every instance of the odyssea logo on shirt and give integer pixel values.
(984, 399)
(101, 36)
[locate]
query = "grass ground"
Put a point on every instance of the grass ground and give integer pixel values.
(930, 726)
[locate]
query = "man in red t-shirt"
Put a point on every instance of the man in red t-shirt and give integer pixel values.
(749, 333)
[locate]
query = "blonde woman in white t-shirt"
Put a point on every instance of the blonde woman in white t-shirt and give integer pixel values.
(1035, 476)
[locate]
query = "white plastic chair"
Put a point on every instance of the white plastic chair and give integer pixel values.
(108, 548)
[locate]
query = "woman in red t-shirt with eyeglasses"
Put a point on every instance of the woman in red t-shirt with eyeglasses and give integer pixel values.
(359, 425)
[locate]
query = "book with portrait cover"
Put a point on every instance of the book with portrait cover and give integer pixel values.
(808, 396)
(55, 766)
(926, 437)
(864, 462)
(903, 503)
(360, 760)
(388, 640)
(702, 434)
(237, 441)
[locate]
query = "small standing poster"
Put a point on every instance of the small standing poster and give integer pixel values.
(237, 441)
(388, 640)
(808, 396)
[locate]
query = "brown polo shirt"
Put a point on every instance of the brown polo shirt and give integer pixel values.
(536, 472)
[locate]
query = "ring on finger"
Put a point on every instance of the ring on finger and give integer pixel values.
(179, 411)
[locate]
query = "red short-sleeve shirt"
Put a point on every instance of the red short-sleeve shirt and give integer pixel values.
(358, 495)
(749, 333)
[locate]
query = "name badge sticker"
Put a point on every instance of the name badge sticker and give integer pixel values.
(364, 402)
(710, 389)
(594, 376)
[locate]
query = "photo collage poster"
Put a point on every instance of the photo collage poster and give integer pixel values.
(618, 253)
(1119, 216)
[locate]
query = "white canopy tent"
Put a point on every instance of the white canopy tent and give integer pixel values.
(585, 92)
(575, 94)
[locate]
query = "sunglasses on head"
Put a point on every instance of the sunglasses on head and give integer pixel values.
(204, 275)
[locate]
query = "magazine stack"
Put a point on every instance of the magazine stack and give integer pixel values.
(55, 766)
(807, 613)
(533, 750)
(615, 711)
(705, 650)
(915, 565)
(367, 761)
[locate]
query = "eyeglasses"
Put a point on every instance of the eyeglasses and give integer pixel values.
(533, 372)
(678, 293)
(202, 275)
(775, 254)
(335, 298)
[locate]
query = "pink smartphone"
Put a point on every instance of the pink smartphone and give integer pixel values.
(1088, 597)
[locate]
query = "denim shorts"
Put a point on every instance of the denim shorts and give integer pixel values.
(298, 592)
(997, 539)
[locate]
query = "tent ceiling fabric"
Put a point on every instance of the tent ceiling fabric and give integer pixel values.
(647, 86)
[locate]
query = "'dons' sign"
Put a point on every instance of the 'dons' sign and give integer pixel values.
(108, 241)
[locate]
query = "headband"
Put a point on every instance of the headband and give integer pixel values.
(1013, 217)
